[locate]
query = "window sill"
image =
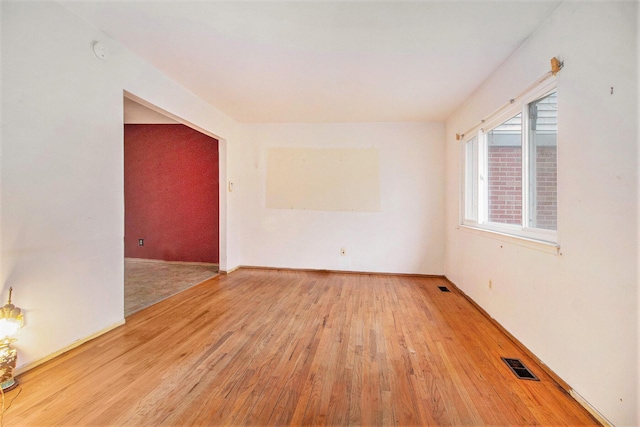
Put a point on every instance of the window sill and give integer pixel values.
(548, 247)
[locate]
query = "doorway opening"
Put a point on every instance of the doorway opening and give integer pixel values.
(171, 180)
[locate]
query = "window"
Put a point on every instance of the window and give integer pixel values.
(510, 170)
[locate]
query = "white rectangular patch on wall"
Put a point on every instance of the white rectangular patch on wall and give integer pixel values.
(330, 179)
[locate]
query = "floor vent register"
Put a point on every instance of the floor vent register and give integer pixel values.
(518, 368)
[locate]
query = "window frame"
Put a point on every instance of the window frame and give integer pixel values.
(476, 216)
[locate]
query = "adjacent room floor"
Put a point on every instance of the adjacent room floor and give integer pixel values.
(147, 282)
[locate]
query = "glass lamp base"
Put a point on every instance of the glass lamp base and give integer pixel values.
(8, 357)
(9, 385)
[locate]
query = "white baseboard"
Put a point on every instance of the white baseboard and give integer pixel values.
(593, 411)
(231, 270)
(159, 261)
(29, 366)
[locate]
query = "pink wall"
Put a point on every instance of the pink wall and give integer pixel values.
(171, 193)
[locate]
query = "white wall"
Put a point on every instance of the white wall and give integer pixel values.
(135, 113)
(404, 237)
(578, 311)
(62, 171)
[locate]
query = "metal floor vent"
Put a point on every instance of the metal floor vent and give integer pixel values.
(444, 289)
(518, 368)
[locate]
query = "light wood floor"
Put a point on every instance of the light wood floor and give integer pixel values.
(265, 347)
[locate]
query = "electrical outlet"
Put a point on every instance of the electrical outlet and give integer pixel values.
(140, 242)
(343, 251)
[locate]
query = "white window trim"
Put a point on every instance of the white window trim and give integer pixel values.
(518, 105)
(548, 247)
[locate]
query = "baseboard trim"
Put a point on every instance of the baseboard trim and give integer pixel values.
(29, 366)
(160, 261)
(323, 270)
(230, 271)
(563, 384)
(555, 377)
(593, 411)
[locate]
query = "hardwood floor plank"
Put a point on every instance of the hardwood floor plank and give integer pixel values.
(269, 347)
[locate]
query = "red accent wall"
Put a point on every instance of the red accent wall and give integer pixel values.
(171, 193)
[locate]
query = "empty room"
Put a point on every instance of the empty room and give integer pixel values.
(422, 212)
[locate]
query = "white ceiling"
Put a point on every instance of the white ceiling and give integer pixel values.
(322, 61)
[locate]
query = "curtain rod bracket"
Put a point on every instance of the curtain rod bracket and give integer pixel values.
(556, 65)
